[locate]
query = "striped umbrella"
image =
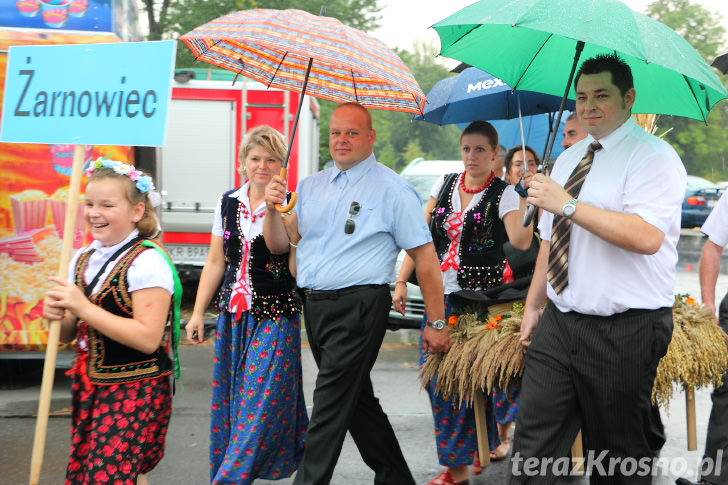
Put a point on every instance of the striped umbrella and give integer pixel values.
(315, 55)
(274, 47)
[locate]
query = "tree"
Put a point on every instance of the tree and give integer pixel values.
(702, 148)
(699, 26)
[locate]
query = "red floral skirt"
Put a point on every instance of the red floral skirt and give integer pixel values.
(117, 431)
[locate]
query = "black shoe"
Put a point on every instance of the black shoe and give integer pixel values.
(685, 481)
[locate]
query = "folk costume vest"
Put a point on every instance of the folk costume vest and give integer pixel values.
(110, 362)
(482, 235)
(271, 283)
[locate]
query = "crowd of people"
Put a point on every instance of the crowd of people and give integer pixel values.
(597, 317)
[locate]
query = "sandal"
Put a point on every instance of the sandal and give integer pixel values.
(501, 450)
(445, 478)
(477, 468)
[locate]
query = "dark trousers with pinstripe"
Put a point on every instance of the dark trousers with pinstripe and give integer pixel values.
(593, 373)
(345, 332)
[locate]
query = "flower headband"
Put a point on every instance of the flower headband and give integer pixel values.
(143, 182)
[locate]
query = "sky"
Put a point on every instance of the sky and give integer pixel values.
(406, 20)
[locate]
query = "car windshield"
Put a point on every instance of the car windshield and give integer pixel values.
(699, 183)
(422, 184)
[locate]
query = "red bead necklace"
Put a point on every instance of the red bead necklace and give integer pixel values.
(479, 189)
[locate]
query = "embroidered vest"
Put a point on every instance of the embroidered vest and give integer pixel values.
(271, 283)
(110, 362)
(481, 243)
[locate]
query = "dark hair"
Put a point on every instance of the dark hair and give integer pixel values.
(148, 226)
(508, 161)
(612, 63)
(484, 128)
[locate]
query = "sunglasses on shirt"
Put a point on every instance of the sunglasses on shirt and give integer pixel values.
(350, 225)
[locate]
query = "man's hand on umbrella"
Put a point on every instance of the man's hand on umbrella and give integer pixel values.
(275, 192)
(543, 192)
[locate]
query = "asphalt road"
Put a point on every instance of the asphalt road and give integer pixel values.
(185, 462)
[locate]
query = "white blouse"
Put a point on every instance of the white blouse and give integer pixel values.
(149, 270)
(251, 225)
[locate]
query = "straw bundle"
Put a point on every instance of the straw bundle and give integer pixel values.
(648, 122)
(697, 355)
(486, 353)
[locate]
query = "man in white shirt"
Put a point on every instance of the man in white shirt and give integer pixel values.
(608, 269)
(714, 469)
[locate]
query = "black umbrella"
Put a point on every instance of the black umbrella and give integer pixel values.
(721, 62)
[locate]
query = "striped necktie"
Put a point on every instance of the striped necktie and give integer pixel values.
(558, 269)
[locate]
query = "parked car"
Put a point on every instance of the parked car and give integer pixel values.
(701, 195)
(422, 174)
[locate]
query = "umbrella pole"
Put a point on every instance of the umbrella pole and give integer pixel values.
(284, 169)
(49, 367)
(530, 209)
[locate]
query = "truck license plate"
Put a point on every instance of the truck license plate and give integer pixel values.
(188, 253)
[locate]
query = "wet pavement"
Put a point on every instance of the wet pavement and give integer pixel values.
(395, 382)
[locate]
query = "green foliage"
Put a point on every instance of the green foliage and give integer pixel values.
(699, 26)
(703, 148)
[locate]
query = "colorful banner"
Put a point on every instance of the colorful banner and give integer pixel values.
(118, 17)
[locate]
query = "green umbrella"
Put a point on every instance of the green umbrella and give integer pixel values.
(532, 45)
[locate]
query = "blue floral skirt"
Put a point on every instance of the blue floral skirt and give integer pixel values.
(259, 420)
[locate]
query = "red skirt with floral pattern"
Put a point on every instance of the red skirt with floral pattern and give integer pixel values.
(117, 431)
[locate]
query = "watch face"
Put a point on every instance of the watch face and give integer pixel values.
(437, 324)
(568, 210)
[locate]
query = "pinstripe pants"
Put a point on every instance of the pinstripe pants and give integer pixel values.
(594, 373)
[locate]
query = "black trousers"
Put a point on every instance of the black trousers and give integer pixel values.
(345, 330)
(714, 468)
(593, 373)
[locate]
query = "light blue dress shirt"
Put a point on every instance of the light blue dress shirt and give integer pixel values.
(390, 219)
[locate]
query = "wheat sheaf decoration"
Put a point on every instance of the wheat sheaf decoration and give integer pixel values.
(486, 352)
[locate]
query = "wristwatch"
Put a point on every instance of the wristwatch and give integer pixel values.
(437, 324)
(569, 208)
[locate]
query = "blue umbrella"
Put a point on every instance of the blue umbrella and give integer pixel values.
(536, 131)
(476, 95)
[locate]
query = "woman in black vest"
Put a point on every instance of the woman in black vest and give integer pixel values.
(471, 215)
(259, 417)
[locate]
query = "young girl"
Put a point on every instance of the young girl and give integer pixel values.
(116, 304)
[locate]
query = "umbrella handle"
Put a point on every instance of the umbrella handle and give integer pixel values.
(294, 196)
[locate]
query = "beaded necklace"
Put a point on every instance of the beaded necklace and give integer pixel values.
(246, 214)
(479, 189)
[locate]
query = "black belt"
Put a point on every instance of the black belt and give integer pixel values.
(335, 294)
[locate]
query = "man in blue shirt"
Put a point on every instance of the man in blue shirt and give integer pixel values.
(353, 219)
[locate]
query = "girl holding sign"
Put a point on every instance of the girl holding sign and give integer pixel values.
(116, 305)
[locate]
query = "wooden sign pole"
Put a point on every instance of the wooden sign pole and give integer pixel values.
(54, 332)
